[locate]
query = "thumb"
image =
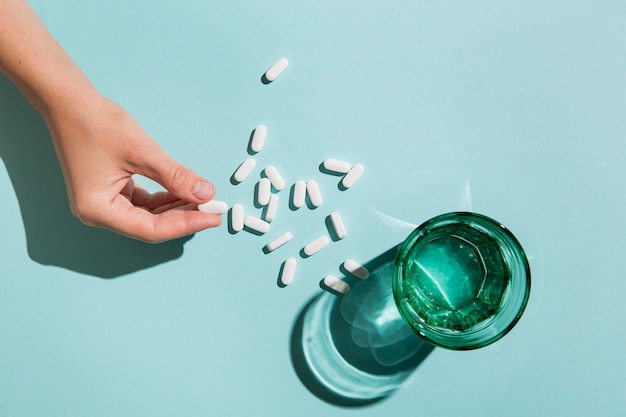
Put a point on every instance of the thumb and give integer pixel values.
(182, 181)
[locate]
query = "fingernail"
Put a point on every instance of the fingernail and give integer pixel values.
(202, 190)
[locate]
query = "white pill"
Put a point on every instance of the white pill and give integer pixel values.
(353, 176)
(299, 194)
(275, 70)
(214, 207)
(275, 178)
(288, 272)
(356, 269)
(272, 208)
(316, 245)
(236, 218)
(263, 192)
(279, 241)
(244, 169)
(313, 190)
(335, 165)
(256, 224)
(258, 138)
(336, 284)
(338, 225)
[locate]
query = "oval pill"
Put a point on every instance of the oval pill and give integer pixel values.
(244, 169)
(316, 245)
(288, 272)
(275, 178)
(336, 284)
(340, 228)
(236, 218)
(299, 194)
(214, 207)
(258, 138)
(263, 192)
(335, 165)
(256, 224)
(353, 176)
(279, 241)
(313, 190)
(356, 269)
(272, 208)
(275, 70)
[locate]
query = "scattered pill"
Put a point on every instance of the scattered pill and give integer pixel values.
(288, 272)
(256, 224)
(272, 208)
(275, 70)
(356, 269)
(299, 194)
(353, 176)
(236, 218)
(275, 178)
(313, 190)
(214, 207)
(336, 284)
(338, 225)
(279, 241)
(335, 165)
(316, 245)
(244, 170)
(258, 138)
(263, 192)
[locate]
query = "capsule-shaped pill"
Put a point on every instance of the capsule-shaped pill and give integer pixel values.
(264, 189)
(340, 228)
(258, 138)
(244, 170)
(299, 194)
(275, 70)
(314, 193)
(356, 269)
(336, 285)
(256, 224)
(278, 242)
(335, 165)
(214, 207)
(316, 245)
(275, 178)
(236, 218)
(271, 208)
(288, 271)
(353, 176)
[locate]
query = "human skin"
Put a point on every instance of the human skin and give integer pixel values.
(98, 144)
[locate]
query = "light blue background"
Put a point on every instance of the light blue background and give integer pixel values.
(513, 109)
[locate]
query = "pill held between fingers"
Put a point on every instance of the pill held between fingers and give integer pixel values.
(244, 169)
(279, 241)
(299, 194)
(214, 207)
(356, 269)
(288, 272)
(275, 178)
(263, 192)
(256, 224)
(335, 165)
(353, 176)
(313, 190)
(258, 138)
(336, 284)
(316, 245)
(236, 218)
(340, 228)
(275, 70)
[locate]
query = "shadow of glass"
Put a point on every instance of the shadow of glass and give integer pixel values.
(355, 350)
(54, 236)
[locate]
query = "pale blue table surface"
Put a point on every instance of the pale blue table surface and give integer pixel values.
(516, 111)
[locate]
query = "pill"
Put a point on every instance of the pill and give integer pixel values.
(313, 190)
(335, 165)
(236, 218)
(263, 192)
(353, 176)
(244, 170)
(279, 241)
(256, 224)
(356, 269)
(214, 207)
(272, 208)
(258, 138)
(336, 284)
(288, 272)
(275, 70)
(275, 178)
(316, 245)
(299, 194)
(340, 229)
